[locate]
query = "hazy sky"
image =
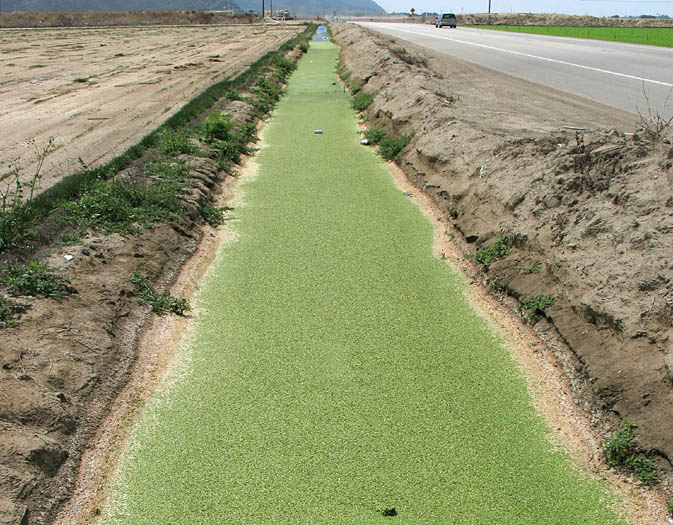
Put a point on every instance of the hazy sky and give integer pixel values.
(574, 7)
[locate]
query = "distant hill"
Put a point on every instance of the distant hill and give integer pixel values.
(317, 7)
(307, 7)
(113, 5)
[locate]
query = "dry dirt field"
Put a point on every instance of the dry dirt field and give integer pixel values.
(99, 91)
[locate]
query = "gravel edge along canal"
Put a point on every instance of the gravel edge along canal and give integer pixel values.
(335, 372)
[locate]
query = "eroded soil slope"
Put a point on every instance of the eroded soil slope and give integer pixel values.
(99, 91)
(588, 209)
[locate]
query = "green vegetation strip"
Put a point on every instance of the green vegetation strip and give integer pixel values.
(335, 373)
(654, 36)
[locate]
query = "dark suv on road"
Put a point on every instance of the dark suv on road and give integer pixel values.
(446, 19)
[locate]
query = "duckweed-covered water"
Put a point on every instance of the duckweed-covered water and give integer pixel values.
(335, 370)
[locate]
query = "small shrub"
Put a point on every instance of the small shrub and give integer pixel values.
(669, 505)
(159, 302)
(355, 90)
(345, 75)
(375, 135)
(214, 215)
(267, 93)
(390, 147)
(487, 254)
(16, 197)
(37, 279)
(535, 307)
(303, 47)
(643, 469)
(172, 142)
(534, 267)
(283, 67)
(620, 446)
(621, 451)
(220, 131)
(10, 311)
(362, 100)
(217, 127)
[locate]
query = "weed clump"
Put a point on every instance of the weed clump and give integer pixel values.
(375, 135)
(159, 302)
(214, 215)
(535, 307)
(10, 310)
(390, 147)
(35, 278)
(362, 100)
(621, 451)
(173, 142)
(283, 67)
(122, 206)
(266, 93)
(669, 506)
(230, 140)
(487, 254)
(534, 267)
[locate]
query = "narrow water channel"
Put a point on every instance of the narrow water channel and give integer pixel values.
(335, 373)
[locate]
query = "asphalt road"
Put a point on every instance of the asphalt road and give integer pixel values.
(630, 77)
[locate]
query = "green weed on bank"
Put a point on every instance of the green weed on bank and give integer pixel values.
(621, 450)
(160, 303)
(10, 310)
(36, 279)
(499, 249)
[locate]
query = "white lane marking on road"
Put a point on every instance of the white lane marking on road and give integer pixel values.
(624, 75)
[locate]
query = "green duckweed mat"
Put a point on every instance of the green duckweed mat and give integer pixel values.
(335, 371)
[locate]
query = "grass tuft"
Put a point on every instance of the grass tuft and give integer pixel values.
(159, 302)
(534, 267)
(172, 142)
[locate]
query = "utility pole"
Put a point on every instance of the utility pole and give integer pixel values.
(489, 7)
(262, 11)
(271, 7)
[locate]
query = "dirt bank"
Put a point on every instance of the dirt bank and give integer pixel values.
(588, 210)
(558, 19)
(99, 91)
(64, 363)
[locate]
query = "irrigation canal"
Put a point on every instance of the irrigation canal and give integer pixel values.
(335, 373)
